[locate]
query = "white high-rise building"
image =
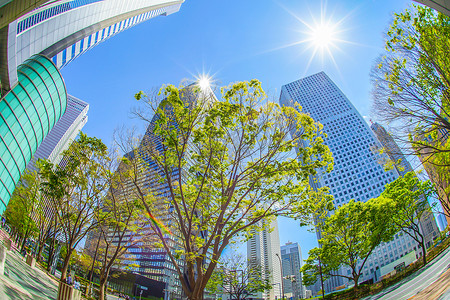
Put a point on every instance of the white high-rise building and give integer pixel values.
(358, 164)
(62, 30)
(264, 248)
(63, 133)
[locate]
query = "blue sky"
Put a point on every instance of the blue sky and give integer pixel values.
(232, 40)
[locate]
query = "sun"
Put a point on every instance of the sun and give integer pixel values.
(204, 82)
(323, 36)
(320, 35)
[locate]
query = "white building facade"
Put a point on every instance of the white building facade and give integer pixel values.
(63, 30)
(358, 164)
(63, 133)
(264, 248)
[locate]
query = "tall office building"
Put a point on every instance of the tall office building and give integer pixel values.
(358, 164)
(33, 46)
(144, 257)
(63, 30)
(63, 133)
(27, 113)
(442, 221)
(291, 257)
(264, 248)
(427, 221)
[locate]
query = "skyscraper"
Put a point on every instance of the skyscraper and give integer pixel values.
(442, 6)
(146, 258)
(27, 113)
(390, 147)
(56, 31)
(427, 221)
(358, 164)
(63, 133)
(291, 257)
(442, 221)
(264, 248)
(63, 30)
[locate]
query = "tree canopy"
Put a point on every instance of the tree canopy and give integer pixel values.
(406, 202)
(227, 164)
(411, 80)
(348, 237)
(76, 190)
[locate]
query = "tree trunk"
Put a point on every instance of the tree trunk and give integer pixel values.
(66, 265)
(24, 241)
(424, 254)
(198, 295)
(355, 280)
(103, 281)
(39, 253)
(51, 251)
(92, 268)
(321, 279)
(51, 254)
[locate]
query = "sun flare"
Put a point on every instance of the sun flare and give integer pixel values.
(204, 81)
(323, 36)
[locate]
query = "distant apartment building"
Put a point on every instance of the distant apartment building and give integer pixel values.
(358, 164)
(264, 247)
(401, 164)
(291, 257)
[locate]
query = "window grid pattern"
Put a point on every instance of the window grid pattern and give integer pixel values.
(63, 133)
(50, 12)
(27, 114)
(66, 56)
(358, 163)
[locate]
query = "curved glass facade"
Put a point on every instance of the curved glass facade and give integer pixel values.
(27, 114)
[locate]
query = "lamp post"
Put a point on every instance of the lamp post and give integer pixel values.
(281, 269)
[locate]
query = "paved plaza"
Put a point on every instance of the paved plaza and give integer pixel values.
(21, 282)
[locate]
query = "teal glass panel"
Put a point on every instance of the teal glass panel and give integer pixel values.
(38, 101)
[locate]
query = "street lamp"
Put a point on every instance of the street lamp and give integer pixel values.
(281, 269)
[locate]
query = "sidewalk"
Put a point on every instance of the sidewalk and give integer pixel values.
(21, 282)
(413, 285)
(440, 289)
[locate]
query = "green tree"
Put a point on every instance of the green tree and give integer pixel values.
(411, 90)
(227, 164)
(406, 200)
(28, 211)
(411, 80)
(238, 277)
(18, 213)
(123, 220)
(77, 190)
(348, 238)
